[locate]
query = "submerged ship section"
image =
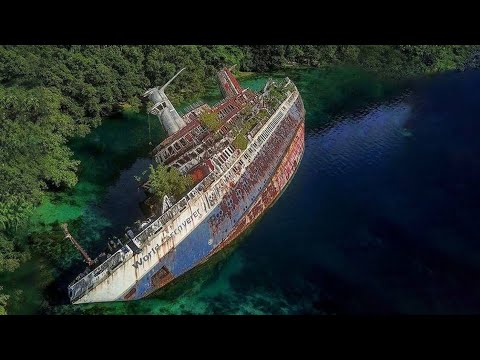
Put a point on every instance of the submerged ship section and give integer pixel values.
(242, 152)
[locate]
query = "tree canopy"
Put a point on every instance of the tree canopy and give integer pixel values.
(168, 181)
(390, 60)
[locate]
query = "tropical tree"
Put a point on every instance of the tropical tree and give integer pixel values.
(168, 181)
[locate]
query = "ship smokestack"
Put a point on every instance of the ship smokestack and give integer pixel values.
(163, 108)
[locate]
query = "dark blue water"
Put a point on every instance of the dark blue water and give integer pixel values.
(382, 217)
(383, 214)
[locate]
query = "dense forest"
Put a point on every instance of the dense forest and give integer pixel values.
(51, 94)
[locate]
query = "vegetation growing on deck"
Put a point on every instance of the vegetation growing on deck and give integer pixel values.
(210, 120)
(240, 141)
(168, 181)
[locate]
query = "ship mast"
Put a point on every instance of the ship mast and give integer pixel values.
(87, 258)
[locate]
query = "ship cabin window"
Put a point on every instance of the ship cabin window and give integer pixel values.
(169, 149)
(177, 146)
(183, 142)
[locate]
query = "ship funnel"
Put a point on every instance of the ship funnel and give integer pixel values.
(163, 108)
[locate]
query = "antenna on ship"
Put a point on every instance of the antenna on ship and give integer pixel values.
(87, 258)
(163, 108)
(149, 130)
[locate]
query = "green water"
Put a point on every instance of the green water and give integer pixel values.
(107, 198)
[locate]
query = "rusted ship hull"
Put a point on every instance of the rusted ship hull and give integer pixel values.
(210, 219)
(272, 192)
(229, 220)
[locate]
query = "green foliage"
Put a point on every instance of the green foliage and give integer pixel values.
(10, 256)
(244, 112)
(210, 120)
(133, 104)
(168, 181)
(33, 152)
(54, 247)
(263, 57)
(91, 79)
(262, 114)
(3, 302)
(240, 141)
(202, 62)
(34, 156)
(390, 60)
(278, 95)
